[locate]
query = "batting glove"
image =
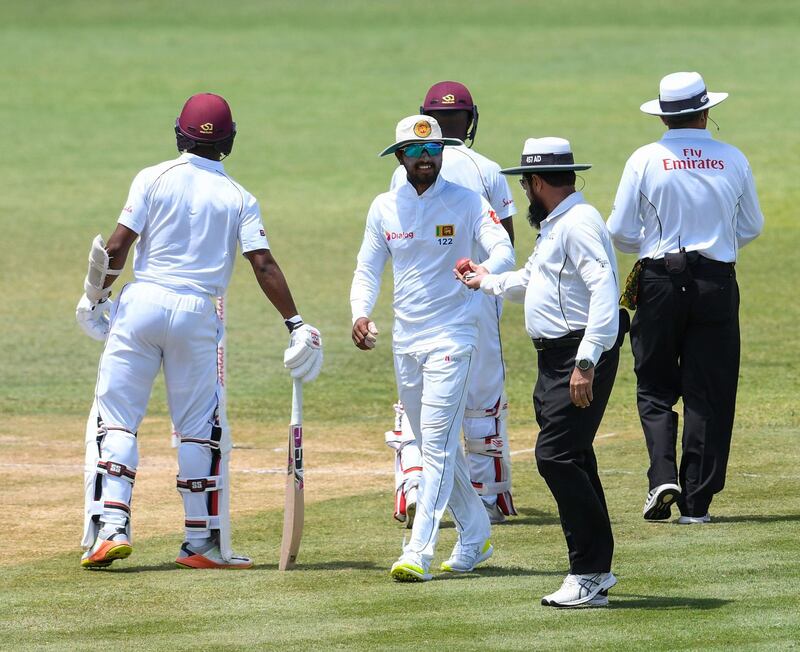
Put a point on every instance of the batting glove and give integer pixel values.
(94, 318)
(303, 358)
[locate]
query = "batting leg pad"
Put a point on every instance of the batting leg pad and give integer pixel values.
(204, 484)
(486, 443)
(110, 462)
(407, 464)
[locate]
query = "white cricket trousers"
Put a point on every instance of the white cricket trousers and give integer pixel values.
(152, 326)
(433, 388)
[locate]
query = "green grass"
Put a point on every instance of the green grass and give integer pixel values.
(710, 587)
(90, 94)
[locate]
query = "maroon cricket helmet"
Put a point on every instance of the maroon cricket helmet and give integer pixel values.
(451, 96)
(206, 118)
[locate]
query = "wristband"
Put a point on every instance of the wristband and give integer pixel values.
(293, 323)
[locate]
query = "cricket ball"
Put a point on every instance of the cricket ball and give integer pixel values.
(462, 266)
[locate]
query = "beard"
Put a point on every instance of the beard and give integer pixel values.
(536, 215)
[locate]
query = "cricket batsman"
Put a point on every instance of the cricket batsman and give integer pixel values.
(485, 438)
(189, 217)
(425, 225)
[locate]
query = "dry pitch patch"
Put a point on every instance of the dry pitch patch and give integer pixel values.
(41, 477)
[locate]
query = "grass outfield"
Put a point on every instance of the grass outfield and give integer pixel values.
(90, 94)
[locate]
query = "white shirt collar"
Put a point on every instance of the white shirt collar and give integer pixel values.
(201, 162)
(566, 203)
(429, 192)
(686, 133)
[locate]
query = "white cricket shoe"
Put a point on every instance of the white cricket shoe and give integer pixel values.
(494, 513)
(658, 504)
(581, 590)
(600, 600)
(694, 520)
(463, 559)
(411, 568)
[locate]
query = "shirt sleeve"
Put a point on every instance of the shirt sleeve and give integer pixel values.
(134, 214)
(500, 196)
(252, 236)
(625, 224)
(493, 238)
(509, 285)
(370, 262)
(749, 218)
(583, 244)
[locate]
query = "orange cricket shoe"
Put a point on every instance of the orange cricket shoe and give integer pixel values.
(210, 558)
(105, 551)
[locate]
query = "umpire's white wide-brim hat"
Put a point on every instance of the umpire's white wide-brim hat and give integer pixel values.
(418, 129)
(680, 93)
(548, 154)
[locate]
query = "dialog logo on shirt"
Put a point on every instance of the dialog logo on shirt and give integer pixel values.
(398, 235)
(445, 230)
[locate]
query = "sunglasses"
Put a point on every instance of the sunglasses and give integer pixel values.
(415, 150)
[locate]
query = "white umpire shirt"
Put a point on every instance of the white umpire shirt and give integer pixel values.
(424, 235)
(686, 190)
(190, 215)
(570, 281)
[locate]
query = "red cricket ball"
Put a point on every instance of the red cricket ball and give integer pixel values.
(462, 265)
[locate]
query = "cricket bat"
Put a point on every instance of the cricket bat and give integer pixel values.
(293, 510)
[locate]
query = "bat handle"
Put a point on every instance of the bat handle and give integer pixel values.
(297, 401)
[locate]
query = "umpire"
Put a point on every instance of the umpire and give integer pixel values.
(569, 287)
(685, 205)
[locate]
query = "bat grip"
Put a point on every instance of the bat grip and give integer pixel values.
(297, 401)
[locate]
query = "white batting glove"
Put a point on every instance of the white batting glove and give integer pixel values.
(94, 318)
(303, 358)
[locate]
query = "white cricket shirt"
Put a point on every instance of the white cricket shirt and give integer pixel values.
(686, 190)
(424, 235)
(466, 167)
(190, 216)
(570, 280)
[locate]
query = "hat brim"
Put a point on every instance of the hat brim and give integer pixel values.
(393, 148)
(653, 107)
(533, 169)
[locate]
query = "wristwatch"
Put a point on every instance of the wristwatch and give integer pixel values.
(584, 365)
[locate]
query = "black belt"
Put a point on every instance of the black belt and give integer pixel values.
(573, 338)
(693, 258)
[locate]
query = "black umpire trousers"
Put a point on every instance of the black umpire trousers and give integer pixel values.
(565, 457)
(685, 342)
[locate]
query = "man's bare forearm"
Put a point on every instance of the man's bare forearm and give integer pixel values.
(272, 281)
